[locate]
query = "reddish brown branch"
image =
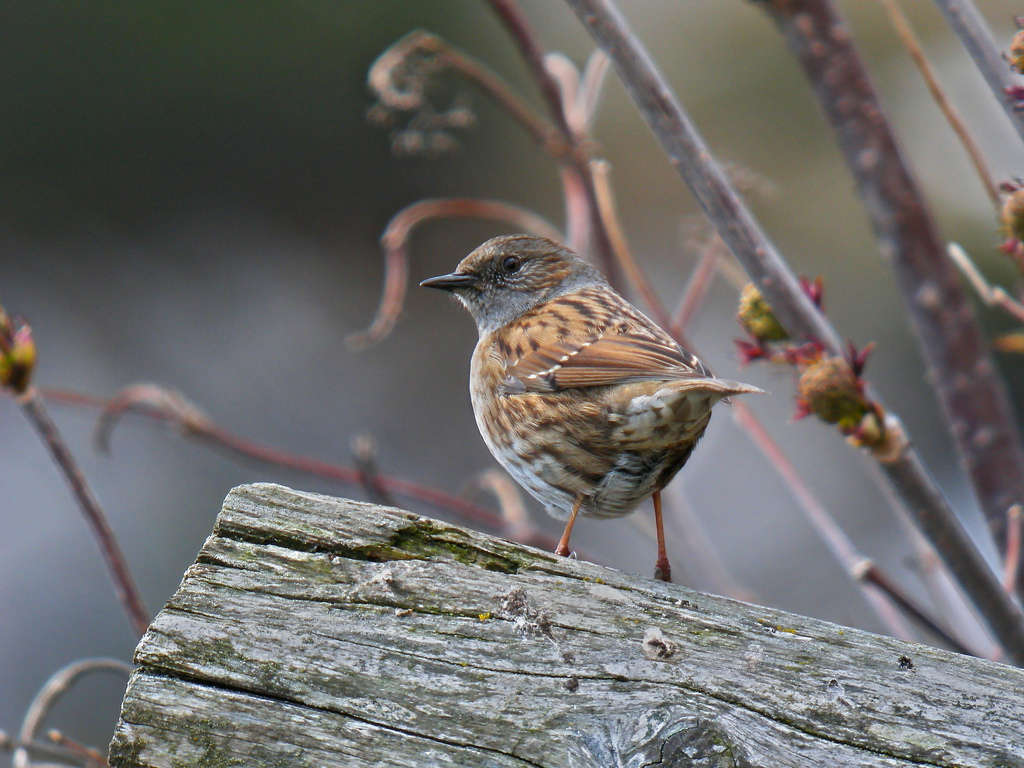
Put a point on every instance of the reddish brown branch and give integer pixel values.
(124, 584)
(90, 756)
(526, 40)
(211, 433)
(872, 575)
(51, 692)
(1011, 562)
(395, 241)
(700, 282)
(620, 245)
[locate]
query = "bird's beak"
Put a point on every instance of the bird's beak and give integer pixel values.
(449, 282)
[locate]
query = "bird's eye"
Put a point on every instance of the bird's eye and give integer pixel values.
(510, 264)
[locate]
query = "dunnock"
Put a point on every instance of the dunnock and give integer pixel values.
(588, 404)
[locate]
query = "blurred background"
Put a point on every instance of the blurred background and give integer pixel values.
(191, 194)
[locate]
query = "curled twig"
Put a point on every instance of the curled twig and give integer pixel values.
(400, 77)
(52, 690)
(395, 241)
(172, 406)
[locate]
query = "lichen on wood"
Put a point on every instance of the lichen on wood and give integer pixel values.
(322, 632)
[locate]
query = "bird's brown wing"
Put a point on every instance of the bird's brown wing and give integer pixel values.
(597, 362)
(585, 349)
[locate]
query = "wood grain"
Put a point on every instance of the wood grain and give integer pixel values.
(315, 631)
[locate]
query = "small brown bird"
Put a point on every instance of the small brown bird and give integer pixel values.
(588, 404)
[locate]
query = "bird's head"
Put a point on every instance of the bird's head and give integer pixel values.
(507, 276)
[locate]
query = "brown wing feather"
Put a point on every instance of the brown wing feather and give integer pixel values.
(596, 360)
(591, 344)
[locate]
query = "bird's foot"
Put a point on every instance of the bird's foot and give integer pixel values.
(662, 570)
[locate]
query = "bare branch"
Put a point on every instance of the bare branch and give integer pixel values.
(217, 436)
(395, 241)
(124, 584)
(691, 158)
(838, 543)
(1011, 562)
(969, 389)
(734, 222)
(364, 456)
(992, 296)
(620, 246)
(711, 256)
(91, 757)
(906, 34)
(525, 38)
(969, 25)
(52, 690)
(510, 503)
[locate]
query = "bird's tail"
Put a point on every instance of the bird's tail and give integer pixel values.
(722, 387)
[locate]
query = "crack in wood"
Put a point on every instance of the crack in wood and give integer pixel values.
(291, 601)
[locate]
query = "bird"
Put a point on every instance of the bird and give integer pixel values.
(585, 401)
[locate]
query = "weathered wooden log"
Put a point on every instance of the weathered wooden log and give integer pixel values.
(315, 631)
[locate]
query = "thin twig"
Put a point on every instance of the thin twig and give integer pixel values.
(52, 690)
(709, 182)
(906, 34)
(734, 222)
(510, 502)
(838, 543)
(1011, 562)
(620, 246)
(124, 584)
(991, 295)
(711, 255)
(969, 25)
(46, 749)
(526, 40)
(395, 241)
(211, 433)
(871, 574)
(961, 371)
(364, 456)
(91, 756)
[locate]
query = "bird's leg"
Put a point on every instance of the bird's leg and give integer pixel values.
(662, 570)
(563, 543)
